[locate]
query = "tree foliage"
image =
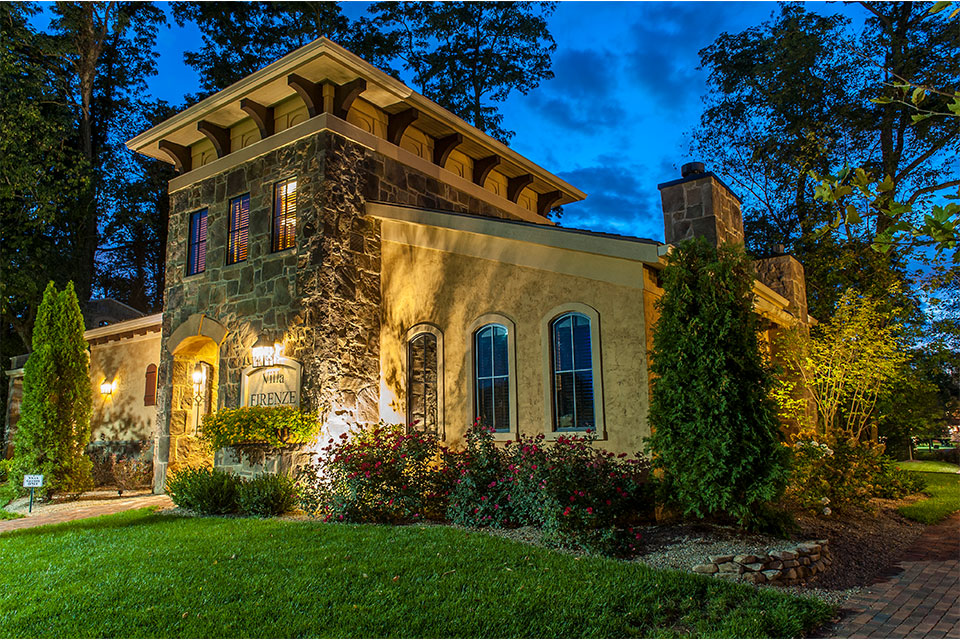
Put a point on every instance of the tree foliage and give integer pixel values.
(54, 425)
(847, 364)
(468, 56)
(715, 431)
(794, 96)
(239, 38)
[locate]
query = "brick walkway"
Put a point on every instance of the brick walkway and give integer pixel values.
(918, 598)
(85, 511)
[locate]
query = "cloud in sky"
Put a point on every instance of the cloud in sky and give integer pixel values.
(582, 95)
(621, 199)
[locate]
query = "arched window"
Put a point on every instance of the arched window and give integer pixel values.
(572, 368)
(424, 380)
(491, 355)
(150, 386)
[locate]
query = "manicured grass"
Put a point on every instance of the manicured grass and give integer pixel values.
(928, 465)
(7, 515)
(141, 574)
(944, 492)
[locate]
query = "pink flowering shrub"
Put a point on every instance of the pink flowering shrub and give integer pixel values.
(579, 495)
(380, 474)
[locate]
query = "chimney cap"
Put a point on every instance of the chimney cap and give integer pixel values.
(692, 169)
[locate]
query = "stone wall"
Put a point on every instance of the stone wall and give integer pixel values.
(784, 274)
(321, 299)
(786, 566)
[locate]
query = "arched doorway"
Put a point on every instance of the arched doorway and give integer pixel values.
(194, 349)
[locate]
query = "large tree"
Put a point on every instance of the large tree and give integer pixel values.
(468, 56)
(793, 96)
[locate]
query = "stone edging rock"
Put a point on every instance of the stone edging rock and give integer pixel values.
(784, 567)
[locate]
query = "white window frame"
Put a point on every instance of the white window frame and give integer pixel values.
(412, 332)
(546, 341)
(513, 433)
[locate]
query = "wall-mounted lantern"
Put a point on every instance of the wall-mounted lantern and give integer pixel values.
(266, 353)
(198, 379)
(108, 387)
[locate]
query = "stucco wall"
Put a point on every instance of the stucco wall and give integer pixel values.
(451, 290)
(123, 417)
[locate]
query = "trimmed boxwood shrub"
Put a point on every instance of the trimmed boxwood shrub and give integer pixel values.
(205, 491)
(267, 495)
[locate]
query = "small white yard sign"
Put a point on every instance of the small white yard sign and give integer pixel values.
(32, 482)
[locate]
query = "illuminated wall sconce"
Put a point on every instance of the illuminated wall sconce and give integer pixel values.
(198, 379)
(108, 387)
(265, 353)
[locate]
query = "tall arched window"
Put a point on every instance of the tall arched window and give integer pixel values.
(150, 386)
(571, 345)
(423, 382)
(492, 376)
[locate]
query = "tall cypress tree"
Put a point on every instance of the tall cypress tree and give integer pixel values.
(716, 436)
(54, 425)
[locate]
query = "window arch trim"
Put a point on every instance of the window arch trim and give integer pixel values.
(413, 332)
(546, 334)
(471, 362)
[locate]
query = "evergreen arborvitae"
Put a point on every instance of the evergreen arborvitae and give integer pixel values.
(54, 425)
(715, 432)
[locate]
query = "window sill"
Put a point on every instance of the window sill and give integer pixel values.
(195, 276)
(284, 252)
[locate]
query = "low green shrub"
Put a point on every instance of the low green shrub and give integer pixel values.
(205, 491)
(267, 495)
(845, 472)
(378, 474)
(277, 427)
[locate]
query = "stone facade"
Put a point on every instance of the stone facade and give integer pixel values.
(784, 274)
(700, 205)
(321, 298)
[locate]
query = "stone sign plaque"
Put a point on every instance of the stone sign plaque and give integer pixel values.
(277, 385)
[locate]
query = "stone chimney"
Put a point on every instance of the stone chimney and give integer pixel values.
(699, 204)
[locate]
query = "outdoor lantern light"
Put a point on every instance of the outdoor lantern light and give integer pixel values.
(108, 387)
(198, 379)
(266, 353)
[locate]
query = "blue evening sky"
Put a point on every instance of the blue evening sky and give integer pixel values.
(616, 119)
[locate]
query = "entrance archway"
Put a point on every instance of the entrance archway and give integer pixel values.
(195, 353)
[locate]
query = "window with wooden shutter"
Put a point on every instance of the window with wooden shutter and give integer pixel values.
(150, 386)
(197, 253)
(238, 232)
(284, 214)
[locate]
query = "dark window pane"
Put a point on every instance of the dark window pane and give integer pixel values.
(197, 249)
(581, 343)
(485, 352)
(501, 404)
(500, 358)
(485, 402)
(584, 400)
(562, 347)
(564, 400)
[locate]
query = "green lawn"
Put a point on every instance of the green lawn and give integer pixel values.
(8, 515)
(928, 465)
(944, 491)
(141, 574)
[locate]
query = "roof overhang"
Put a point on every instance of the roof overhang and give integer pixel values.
(324, 61)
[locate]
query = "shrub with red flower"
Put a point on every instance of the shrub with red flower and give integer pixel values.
(378, 474)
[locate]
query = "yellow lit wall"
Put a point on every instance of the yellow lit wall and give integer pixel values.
(451, 290)
(123, 416)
